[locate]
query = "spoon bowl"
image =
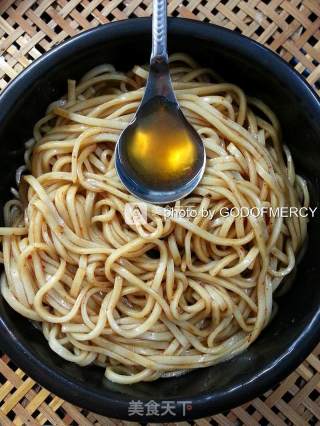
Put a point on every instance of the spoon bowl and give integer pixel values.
(162, 166)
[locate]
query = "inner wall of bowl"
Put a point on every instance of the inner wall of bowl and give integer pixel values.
(295, 309)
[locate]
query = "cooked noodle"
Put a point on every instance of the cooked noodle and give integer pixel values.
(178, 293)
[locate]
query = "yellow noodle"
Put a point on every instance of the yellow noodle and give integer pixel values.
(75, 264)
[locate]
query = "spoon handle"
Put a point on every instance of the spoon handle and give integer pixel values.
(159, 81)
(159, 31)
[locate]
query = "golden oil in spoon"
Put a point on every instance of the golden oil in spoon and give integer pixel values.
(161, 147)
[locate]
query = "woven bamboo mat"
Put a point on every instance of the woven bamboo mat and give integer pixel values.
(291, 28)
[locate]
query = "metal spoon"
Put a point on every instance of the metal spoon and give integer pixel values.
(160, 157)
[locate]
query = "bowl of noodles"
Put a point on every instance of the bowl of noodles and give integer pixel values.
(159, 313)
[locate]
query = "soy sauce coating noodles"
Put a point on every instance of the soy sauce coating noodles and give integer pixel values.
(145, 300)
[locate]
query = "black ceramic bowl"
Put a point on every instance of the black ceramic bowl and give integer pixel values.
(296, 328)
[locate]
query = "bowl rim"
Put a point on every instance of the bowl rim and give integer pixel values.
(116, 406)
